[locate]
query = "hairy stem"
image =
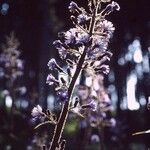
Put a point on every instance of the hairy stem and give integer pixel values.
(65, 109)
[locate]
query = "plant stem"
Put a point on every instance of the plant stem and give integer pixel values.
(65, 109)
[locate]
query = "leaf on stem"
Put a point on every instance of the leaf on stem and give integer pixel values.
(44, 123)
(77, 113)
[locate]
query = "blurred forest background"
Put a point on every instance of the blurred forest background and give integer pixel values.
(35, 25)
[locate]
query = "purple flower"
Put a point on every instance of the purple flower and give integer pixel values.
(95, 138)
(73, 7)
(51, 80)
(99, 46)
(61, 50)
(19, 64)
(82, 18)
(107, 27)
(93, 105)
(57, 44)
(36, 111)
(82, 38)
(112, 122)
(102, 69)
(115, 6)
(93, 120)
(105, 69)
(111, 7)
(62, 94)
(52, 64)
(100, 43)
(70, 36)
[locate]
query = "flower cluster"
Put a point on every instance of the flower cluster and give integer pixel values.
(99, 102)
(72, 43)
(11, 69)
(11, 66)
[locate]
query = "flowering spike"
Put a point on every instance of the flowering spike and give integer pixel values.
(83, 47)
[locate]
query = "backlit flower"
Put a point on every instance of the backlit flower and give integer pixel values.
(107, 27)
(111, 7)
(36, 111)
(62, 94)
(93, 105)
(72, 7)
(52, 64)
(82, 18)
(100, 43)
(115, 5)
(82, 38)
(102, 69)
(95, 138)
(51, 80)
(70, 36)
